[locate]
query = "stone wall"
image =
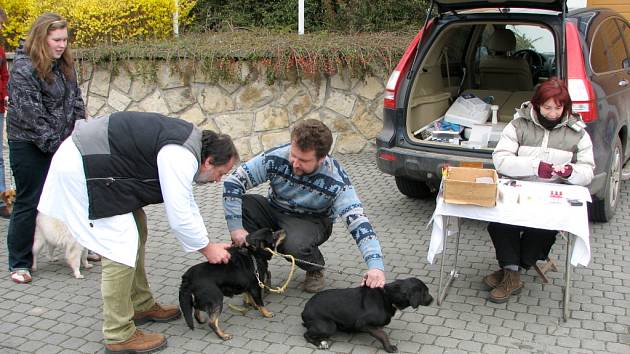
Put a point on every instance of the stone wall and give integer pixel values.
(256, 115)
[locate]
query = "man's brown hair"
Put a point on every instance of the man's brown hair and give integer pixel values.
(219, 147)
(311, 134)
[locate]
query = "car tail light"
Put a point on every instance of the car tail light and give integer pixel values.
(391, 90)
(387, 156)
(580, 88)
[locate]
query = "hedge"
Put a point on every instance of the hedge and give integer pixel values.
(320, 15)
(219, 56)
(94, 22)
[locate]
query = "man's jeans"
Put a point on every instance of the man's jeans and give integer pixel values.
(125, 290)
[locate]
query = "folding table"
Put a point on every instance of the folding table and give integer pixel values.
(531, 204)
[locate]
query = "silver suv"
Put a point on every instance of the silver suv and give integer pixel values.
(495, 53)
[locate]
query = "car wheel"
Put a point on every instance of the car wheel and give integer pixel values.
(604, 209)
(413, 188)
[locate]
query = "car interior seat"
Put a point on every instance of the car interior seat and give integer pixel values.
(499, 70)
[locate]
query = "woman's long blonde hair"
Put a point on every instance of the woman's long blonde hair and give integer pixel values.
(36, 47)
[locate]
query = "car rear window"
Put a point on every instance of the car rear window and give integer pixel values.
(608, 51)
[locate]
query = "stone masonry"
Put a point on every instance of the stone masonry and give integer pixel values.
(256, 115)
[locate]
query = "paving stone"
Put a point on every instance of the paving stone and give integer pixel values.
(493, 349)
(618, 347)
(31, 346)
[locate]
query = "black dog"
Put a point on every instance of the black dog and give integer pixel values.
(361, 310)
(204, 285)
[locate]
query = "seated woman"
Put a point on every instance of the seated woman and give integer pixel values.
(545, 142)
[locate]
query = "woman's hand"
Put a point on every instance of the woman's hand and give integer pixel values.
(563, 171)
(545, 170)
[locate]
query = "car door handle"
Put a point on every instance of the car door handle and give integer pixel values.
(623, 83)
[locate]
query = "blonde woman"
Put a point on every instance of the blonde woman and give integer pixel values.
(44, 103)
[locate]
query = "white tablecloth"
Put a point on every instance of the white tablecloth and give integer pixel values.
(526, 204)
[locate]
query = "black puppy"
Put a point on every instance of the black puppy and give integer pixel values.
(361, 310)
(204, 285)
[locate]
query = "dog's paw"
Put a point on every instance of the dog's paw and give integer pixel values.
(392, 349)
(226, 336)
(266, 313)
(79, 276)
(324, 345)
(88, 266)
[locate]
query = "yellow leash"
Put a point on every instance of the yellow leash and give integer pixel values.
(283, 288)
(277, 290)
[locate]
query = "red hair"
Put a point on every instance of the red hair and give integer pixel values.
(555, 89)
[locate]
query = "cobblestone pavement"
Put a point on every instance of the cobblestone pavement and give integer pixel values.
(60, 314)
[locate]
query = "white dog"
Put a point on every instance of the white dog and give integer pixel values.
(53, 233)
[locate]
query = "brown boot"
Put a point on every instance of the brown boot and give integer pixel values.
(511, 284)
(140, 342)
(494, 279)
(314, 281)
(157, 313)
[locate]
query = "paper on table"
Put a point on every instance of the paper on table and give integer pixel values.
(486, 180)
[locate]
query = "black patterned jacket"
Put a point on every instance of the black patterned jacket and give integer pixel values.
(40, 112)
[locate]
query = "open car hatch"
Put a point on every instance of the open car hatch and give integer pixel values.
(458, 5)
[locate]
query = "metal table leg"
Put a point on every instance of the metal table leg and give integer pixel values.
(453, 273)
(567, 278)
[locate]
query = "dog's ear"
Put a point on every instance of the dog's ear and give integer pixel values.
(254, 239)
(278, 238)
(415, 297)
(260, 239)
(397, 293)
(418, 293)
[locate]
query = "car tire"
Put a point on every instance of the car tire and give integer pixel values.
(413, 188)
(602, 210)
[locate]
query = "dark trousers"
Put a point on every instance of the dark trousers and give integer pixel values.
(520, 245)
(304, 233)
(30, 167)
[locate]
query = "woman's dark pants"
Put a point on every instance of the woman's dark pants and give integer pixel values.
(30, 167)
(520, 245)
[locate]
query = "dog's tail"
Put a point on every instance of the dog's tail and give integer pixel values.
(186, 301)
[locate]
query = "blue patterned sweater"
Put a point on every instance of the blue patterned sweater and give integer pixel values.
(326, 192)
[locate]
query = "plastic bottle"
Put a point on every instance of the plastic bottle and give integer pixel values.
(495, 114)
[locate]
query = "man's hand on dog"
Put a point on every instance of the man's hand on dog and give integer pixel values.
(238, 237)
(373, 278)
(216, 252)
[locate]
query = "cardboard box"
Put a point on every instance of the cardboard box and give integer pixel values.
(462, 186)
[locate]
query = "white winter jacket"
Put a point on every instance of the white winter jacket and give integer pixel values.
(524, 143)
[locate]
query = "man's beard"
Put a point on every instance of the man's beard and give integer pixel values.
(202, 177)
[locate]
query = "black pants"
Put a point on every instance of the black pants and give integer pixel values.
(304, 233)
(30, 167)
(520, 245)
